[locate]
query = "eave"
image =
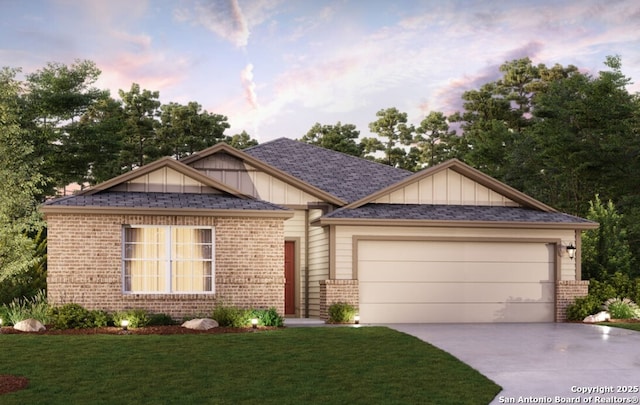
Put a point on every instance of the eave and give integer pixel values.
(452, 224)
(67, 210)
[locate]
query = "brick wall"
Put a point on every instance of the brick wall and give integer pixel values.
(566, 292)
(332, 291)
(85, 264)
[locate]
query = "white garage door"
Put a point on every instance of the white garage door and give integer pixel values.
(426, 281)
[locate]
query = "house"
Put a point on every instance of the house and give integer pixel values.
(293, 226)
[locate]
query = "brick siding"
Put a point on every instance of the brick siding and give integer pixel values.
(332, 291)
(566, 292)
(85, 264)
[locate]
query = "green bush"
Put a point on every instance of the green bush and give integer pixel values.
(138, 318)
(621, 308)
(583, 307)
(341, 312)
(160, 320)
(20, 309)
(75, 316)
(268, 317)
(232, 316)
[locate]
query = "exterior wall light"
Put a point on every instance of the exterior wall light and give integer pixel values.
(356, 319)
(571, 250)
(254, 323)
(124, 324)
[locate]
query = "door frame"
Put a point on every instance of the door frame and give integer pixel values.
(295, 282)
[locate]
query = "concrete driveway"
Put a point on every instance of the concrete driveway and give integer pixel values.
(544, 363)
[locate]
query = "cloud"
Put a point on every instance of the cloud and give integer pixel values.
(229, 19)
(246, 77)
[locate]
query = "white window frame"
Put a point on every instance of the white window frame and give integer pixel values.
(169, 260)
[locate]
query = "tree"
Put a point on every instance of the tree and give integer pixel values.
(241, 141)
(393, 133)
(57, 96)
(20, 186)
(186, 129)
(433, 138)
(339, 137)
(140, 108)
(605, 250)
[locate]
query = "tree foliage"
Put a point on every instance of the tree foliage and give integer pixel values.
(339, 137)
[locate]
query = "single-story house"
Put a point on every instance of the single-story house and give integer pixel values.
(293, 226)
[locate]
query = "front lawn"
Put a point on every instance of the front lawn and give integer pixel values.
(368, 365)
(624, 325)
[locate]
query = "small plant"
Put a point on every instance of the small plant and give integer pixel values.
(583, 307)
(268, 317)
(621, 308)
(160, 320)
(20, 309)
(75, 316)
(341, 312)
(138, 318)
(231, 316)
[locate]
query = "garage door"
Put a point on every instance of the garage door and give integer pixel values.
(426, 281)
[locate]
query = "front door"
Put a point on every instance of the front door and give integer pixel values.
(289, 277)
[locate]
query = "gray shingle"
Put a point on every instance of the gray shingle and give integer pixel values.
(164, 200)
(346, 177)
(454, 213)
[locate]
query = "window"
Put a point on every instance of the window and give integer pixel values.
(170, 259)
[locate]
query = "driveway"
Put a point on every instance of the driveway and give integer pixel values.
(547, 362)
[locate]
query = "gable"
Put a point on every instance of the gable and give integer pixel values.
(252, 177)
(164, 180)
(446, 187)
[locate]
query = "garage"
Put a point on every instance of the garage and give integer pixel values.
(406, 281)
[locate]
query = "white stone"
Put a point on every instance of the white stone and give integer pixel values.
(200, 324)
(29, 325)
(601, 316)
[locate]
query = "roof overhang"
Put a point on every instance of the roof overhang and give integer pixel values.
(452, 224)
(70, 210)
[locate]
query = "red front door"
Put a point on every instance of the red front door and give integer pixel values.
(289, 276)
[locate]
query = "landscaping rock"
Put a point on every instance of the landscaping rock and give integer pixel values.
(602, 316)
(200, 324)
(29, 325)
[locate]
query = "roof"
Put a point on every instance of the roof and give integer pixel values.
(183, 202)
(456, 214)
(347, 177)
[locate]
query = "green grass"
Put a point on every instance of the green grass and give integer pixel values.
(632, 326)
(368, 365)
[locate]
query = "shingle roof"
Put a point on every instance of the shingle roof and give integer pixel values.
(346, 177)
(163, 201)
(455, 213)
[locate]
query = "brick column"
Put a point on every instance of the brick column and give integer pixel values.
(332, 291)
(566, 292)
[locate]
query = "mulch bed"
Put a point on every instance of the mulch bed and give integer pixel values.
(11, 383)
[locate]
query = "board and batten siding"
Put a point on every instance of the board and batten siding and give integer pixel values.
(318, 261)
(446, 187)
(347, 236)
(164, 180)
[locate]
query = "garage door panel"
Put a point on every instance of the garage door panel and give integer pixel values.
(453, 272)
(434, 251)
(456, 281)
(456, 312)
(456, 292)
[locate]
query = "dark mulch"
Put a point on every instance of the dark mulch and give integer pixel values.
(11, 383)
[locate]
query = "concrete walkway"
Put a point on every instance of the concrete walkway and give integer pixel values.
(544, 363)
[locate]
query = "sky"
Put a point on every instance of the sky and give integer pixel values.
(276, 67)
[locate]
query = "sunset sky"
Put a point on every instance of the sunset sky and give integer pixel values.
(276, 67)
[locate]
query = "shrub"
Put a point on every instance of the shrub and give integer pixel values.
(621, 308)
(75, 316)
(138, 318)
(160, 319)
(231, 316)
(268, 317)
(20, 309)
(341, 312)
(583, 307)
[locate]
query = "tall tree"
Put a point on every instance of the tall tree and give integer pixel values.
(141, 110)
(241, 141)
(21, 183)
(393, 133)
(433, 139)
(339, 137)
(185, 129)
